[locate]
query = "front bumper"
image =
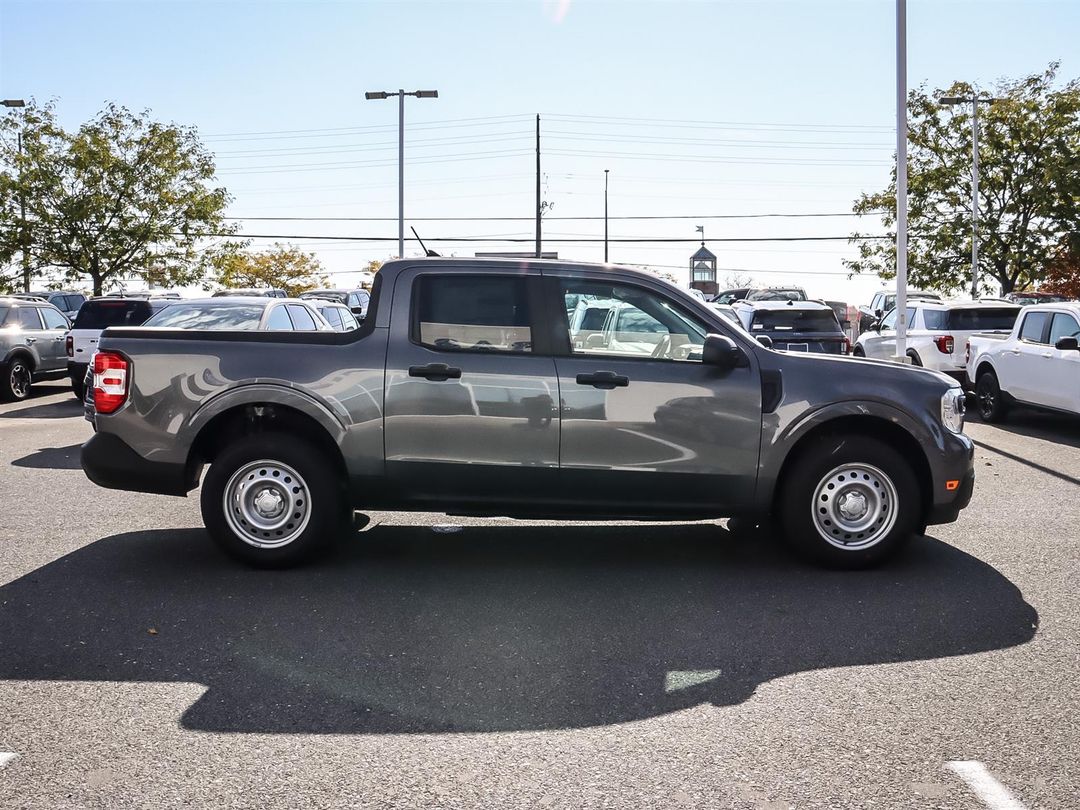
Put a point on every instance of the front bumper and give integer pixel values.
(959, 465)
(110, 462)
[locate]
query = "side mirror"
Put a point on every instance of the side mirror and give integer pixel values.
(878, 313)
(1067, 344)
(765, 341)
(721, 352)
(873, 325)
(358, 312)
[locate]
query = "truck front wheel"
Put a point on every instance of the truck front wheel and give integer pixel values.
(850, 502)
(272, 500)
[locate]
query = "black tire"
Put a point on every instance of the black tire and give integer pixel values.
(858, 352)
(988, 399)
(15, 380)
(79, 390)
(915, 359)
(320, 500)
(885, 484)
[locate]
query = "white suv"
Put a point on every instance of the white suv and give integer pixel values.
(937, 332)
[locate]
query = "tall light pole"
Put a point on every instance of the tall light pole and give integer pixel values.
(901, 181)
(974, 100)
(24, 234)
(605, 215)
(370, 96)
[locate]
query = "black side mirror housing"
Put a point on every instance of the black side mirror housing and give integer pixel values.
(765, 341)
(357, 311)
(722, 352)
(873, 325)
(1067, 344)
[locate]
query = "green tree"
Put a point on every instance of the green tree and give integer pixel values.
(281, 267)
(122, 197)
(1029, 186)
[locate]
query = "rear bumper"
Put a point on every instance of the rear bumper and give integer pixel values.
(110, 462)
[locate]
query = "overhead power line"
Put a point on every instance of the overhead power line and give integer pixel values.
(587, 240)
(548, 219)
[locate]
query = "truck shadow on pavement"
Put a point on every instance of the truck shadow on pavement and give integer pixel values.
(52, 458)
(488, 629)
(64, 409)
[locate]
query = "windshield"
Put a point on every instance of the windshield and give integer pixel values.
(103, 314)
(209, 316)
(795, 320)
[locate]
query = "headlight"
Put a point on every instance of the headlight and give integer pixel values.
(953, 405)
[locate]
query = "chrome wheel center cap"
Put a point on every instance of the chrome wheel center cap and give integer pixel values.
(269, 503)
(852, 505)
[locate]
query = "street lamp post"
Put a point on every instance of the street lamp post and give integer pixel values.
(23, 233)
(901, 181)
(370, 96)
(974, 100)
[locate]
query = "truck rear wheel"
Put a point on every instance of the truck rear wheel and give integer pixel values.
(272, 500)
(988, 398)
(850, 502)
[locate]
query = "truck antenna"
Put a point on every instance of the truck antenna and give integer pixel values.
(421, 241)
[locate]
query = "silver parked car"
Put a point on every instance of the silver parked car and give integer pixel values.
(241, 313)
(31, 345)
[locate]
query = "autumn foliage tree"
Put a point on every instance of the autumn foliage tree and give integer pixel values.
(121, 197)
(281, 267)
(1063, 273)
(1029, 186)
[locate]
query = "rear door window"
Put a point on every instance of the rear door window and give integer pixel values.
(279, 320)
(28, 318)
(331, 316)
(475, 313)
(1034, 327)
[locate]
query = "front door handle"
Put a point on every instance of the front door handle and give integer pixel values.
(603, 379)
(436, 372)
(31, 341)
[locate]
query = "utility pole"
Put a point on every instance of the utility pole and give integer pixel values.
(538, 209)
(901, 181)
(605, 215)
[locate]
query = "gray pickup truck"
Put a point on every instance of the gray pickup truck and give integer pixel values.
(467, 391)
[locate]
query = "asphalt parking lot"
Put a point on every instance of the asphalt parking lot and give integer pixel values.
(444, 662)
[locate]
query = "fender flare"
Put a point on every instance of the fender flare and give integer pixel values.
(21, 351)
(269, 393)
(776, 450)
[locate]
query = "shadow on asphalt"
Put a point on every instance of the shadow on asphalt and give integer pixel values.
(491, 628)
(52, 458)
(63, 409)
(1053, 427)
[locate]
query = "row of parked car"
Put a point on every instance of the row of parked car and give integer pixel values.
(40, 341)
(1019, 349)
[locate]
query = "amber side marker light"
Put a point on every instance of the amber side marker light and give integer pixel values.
(951, 485)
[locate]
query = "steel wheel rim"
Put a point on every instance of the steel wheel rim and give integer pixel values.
(854, 506)
(19, 380)
(267, 504)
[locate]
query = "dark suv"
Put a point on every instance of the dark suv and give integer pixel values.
(796, 326)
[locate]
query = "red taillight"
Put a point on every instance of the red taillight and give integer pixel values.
(847, 345)
(69, 346)
(944, 343)
(110, 381)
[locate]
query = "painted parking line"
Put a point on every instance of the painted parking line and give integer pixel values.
(992, 793)
(6, 757)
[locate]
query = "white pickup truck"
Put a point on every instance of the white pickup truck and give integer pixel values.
(1037, 364)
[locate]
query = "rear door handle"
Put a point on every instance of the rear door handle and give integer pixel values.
(603, 379)
(436, 372)
(30, 341)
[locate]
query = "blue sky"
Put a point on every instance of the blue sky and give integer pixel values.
(699, 109)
